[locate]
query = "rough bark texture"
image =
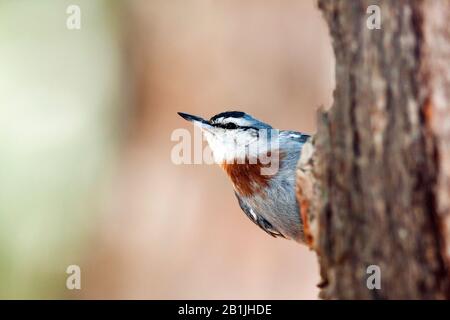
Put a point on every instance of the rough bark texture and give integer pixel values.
(381, 162)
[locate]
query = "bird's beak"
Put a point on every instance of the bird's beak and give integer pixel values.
(197, 121)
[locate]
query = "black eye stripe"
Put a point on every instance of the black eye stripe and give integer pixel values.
(228, 125)
(231, 126)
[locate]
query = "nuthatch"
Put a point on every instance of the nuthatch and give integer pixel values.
(261, 163)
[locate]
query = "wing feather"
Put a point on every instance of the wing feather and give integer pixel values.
(258, 219)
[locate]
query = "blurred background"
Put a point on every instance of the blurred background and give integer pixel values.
(86, 117)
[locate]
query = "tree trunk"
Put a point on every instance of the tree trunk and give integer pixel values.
(375, 189)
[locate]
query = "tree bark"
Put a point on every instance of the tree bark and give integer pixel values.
(374, 187)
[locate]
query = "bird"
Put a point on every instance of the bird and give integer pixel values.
(261, 164)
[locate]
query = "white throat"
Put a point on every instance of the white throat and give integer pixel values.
(229, 147)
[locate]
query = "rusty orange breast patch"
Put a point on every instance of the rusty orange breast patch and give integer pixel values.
(247, 176)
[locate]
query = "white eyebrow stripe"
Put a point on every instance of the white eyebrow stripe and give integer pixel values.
(238, 121)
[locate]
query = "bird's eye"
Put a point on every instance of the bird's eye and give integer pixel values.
(230, 125)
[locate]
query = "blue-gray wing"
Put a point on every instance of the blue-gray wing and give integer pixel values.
(258, 219)
(296, 136)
